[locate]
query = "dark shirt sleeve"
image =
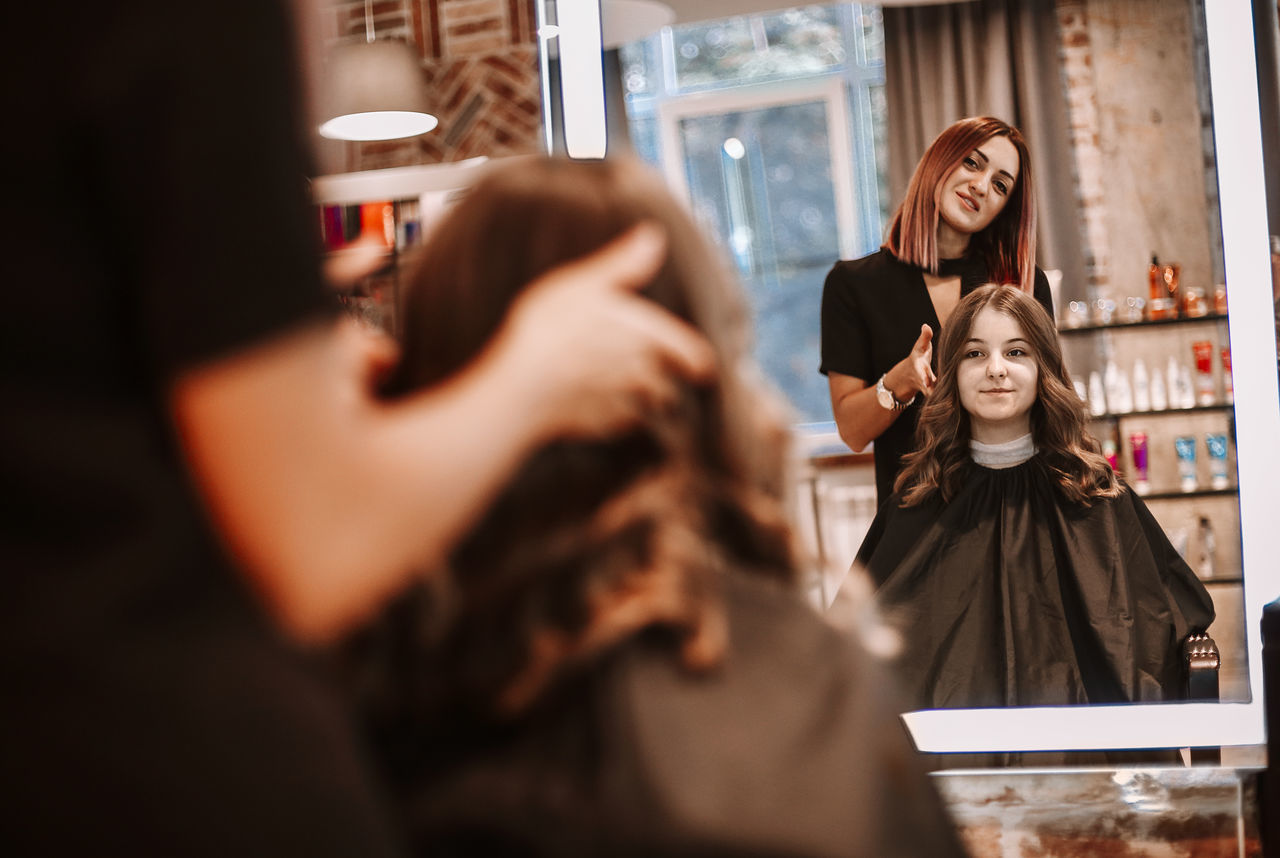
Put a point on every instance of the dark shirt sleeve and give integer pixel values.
(213, 223)
(846, 343)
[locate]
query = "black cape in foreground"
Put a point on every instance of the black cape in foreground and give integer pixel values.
(793, 747)
(1011, 595)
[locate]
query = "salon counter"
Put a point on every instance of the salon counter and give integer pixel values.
(1195, 812)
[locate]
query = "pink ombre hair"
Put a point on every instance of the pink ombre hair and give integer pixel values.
(1008, 244)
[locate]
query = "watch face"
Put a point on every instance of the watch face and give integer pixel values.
(885, 397)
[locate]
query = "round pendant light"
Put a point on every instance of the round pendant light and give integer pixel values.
(374, 90)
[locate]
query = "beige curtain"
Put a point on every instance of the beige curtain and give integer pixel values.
(987, 57)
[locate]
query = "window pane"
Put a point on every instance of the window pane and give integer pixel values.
(760, 180)
(643, 135)
(641, 68)
(796, 42)
(870, 26)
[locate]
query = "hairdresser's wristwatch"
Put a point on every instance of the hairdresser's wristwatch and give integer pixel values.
(886, 398)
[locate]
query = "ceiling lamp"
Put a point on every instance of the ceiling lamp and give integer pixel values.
(375, 90)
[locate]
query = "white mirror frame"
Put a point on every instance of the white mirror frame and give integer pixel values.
(1237, 138)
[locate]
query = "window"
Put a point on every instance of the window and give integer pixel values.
(773, 126)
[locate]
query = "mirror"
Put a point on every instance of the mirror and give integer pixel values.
(1236, 136)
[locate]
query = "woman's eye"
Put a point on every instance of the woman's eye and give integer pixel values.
(973, 353)
(1017, 352)
(971, 163)
(1002, 187)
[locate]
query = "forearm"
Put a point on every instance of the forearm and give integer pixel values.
(860, 418)
(333, 500)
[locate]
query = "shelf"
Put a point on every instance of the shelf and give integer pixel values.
(1198, 493)
(1217, 406)
(1209, 582)
(1145, 323)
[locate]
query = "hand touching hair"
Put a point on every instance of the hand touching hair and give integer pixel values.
(593, 541)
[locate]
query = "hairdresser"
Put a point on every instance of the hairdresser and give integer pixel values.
(199, 481)
(968, 218)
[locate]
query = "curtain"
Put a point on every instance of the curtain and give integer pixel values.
(993, 58)
(1266, 29)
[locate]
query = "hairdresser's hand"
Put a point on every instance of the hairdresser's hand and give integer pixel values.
(367, 354)
(913, 374)
(597, 357)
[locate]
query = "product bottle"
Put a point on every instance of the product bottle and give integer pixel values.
(1185, 448)
(1141, 387)
(1097, 395)
(1138, 448)
(1159, 393)
(1111, 446)
(1186, 395)
(1208, 547)
(1203, 353)
(1119, 393)
(1220, 299)
(1228, 387)
(1154, 275)
(1216, 444)
(1172, 375)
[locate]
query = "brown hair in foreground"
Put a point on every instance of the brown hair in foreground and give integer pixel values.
(593, 541)
(1058, 419)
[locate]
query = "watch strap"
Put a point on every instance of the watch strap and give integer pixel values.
(897, 404)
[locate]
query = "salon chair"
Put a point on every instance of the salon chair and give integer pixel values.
(1269, 782)
(1201, 661)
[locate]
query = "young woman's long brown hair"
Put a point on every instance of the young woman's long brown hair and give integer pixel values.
(585, 525)
(1008, 244)
(1058, 419)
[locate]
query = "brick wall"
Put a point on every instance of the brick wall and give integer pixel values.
(480, 59)
(1075, 53)
(1140, 125)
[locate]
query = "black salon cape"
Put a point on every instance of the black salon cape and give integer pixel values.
(1012, 596)
(793, 747)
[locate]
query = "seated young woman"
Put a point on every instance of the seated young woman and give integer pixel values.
(1023, 571)
(616, 660)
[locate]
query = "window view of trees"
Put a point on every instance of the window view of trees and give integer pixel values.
(789, 176)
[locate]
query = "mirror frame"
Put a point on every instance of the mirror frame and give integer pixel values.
(1242, 208)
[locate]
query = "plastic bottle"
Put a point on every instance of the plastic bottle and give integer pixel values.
(1156, 282)
(1138, 447)
(1228, 386)
(1141, 386)
(1097, 395)
(1171, 375)
(1119, 394)
(1202, 350)
(1188, 399)
(1208, 547)
(1159, 393)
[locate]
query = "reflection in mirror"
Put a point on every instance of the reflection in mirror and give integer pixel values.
(1139, 149)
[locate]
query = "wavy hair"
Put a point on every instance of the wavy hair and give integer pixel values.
(583, 523)
(1058, 420)
(1007, 245)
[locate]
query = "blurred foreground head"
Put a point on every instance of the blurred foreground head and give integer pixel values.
(594, 541)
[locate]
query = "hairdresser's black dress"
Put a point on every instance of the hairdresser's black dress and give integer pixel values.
(1012, 596)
